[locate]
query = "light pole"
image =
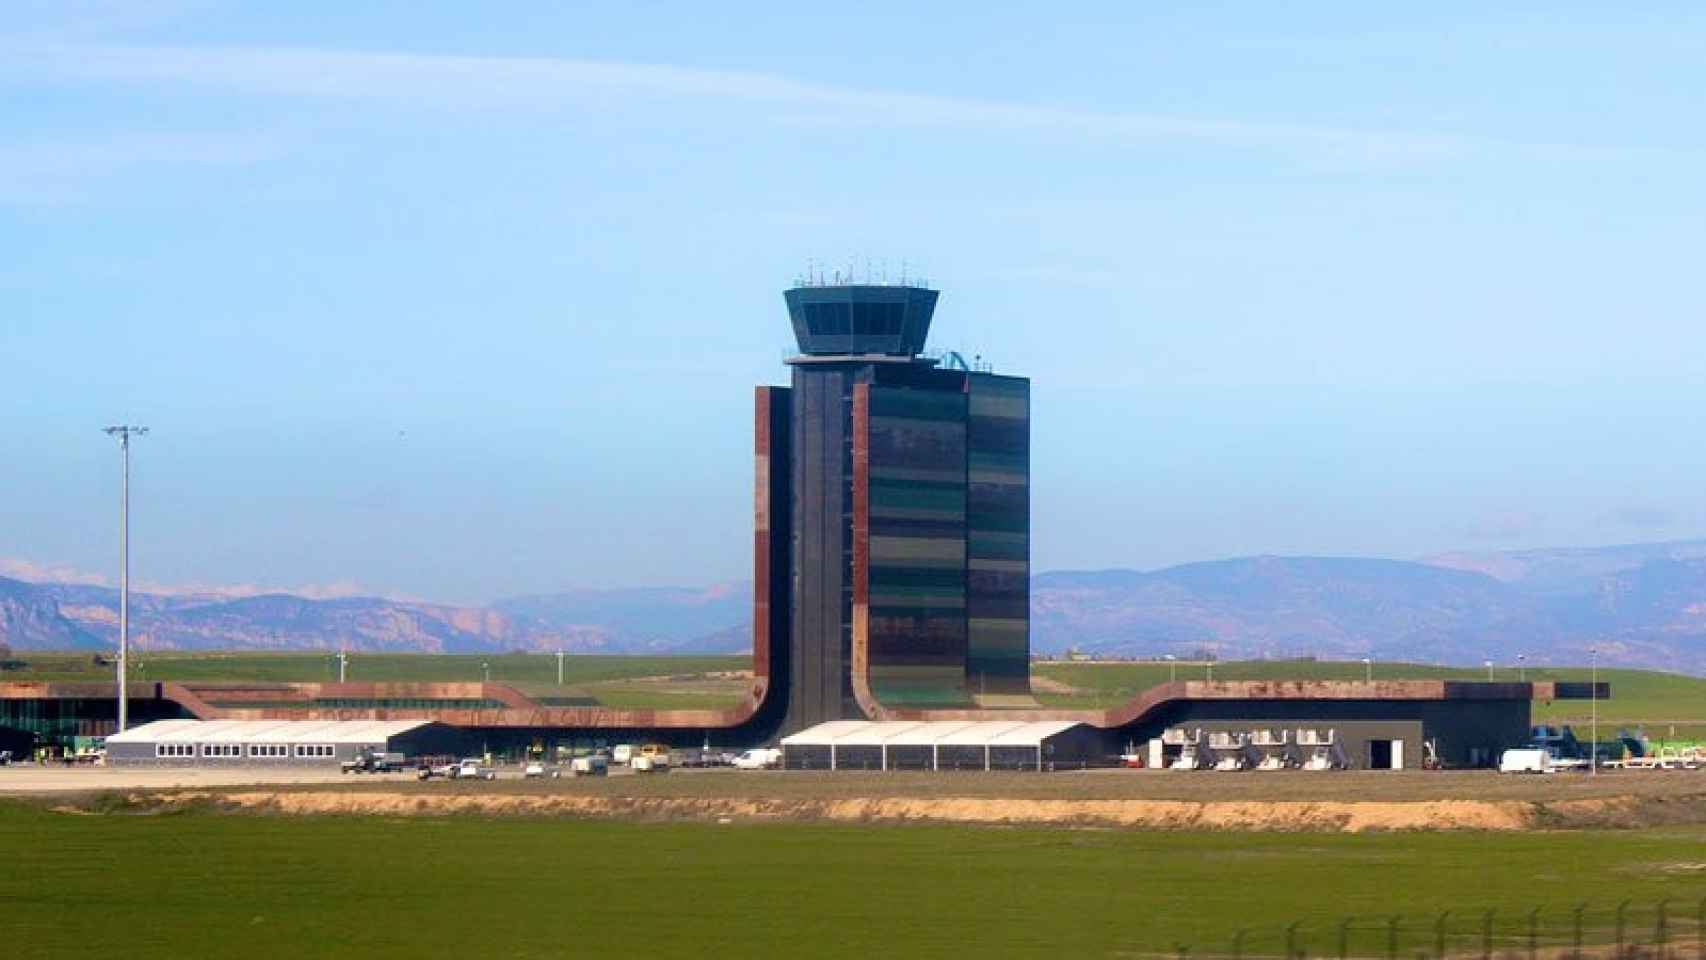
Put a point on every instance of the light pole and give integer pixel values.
(1172, 668)
(124, 433)
(486, 671)
(560, 670)
(1368, 669)
(1593, 701)
(1521, 669)
(343, 665)
(1489, 666)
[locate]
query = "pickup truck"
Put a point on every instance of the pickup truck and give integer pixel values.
(472, 769)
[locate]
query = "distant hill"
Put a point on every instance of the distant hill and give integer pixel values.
(655, 619)
(1277, 606)
(1641, 604)
(652, 620)
(1568, 570)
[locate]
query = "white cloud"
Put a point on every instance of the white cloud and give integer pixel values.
(29, 570)
(442, 81)
(34, 572)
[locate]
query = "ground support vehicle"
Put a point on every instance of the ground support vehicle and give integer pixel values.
(370, 762)
(590, 766)
(536, 770)
(758, 759)
(472, 769)
(1531, 760)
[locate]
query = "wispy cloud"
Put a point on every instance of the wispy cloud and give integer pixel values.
(439, 81)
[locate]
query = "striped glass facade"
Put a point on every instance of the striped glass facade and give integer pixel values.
(998, 538)
(917, 567)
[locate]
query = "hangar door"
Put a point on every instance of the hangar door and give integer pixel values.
(1386, 754)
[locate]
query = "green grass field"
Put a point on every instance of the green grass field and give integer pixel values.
(1668, 705)
(608, 679)
(1637, 696)
(201, 884)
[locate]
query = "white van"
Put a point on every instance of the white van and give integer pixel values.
(759, 759)
(1532, 760)
(622, 753)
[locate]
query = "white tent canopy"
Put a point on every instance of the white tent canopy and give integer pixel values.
(267, 731)
(844, 738)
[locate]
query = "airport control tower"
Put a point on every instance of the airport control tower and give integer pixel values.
(893, 514)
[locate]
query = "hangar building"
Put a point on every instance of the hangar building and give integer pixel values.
(277, 742)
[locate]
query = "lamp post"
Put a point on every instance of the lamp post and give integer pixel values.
(1521, 669)
(124, 433)
(1172, 668)
(343, 665)
(1489, 665)
(486, 671)
(560, 669)
(1368, 669)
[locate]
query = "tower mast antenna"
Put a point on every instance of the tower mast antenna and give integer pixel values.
(124, 433)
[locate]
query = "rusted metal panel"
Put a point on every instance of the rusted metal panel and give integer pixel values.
(761, 572)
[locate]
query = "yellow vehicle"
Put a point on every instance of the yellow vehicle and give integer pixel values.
(650, 758)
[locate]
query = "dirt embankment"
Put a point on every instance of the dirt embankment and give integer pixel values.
(1332, 816)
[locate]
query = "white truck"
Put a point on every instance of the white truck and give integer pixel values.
(473, 769)
(1527, 760)
(758, 759)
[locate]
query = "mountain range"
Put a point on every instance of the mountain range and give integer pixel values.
(1639, 604)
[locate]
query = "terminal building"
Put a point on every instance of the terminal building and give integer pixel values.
(891, 564)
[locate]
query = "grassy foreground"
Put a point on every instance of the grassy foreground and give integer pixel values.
(202, 884)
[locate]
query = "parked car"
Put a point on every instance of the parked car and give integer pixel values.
(758, 759)
(701, 758)
(623, 753)
(536, 769)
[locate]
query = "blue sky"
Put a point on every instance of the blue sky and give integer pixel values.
(450, 302)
